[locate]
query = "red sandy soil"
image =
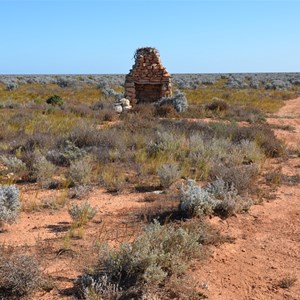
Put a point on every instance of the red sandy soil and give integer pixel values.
(266, 247)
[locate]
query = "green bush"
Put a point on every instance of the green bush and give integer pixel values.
(55, 100)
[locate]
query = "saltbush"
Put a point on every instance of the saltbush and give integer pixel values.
(228, 195)
(67, 154)
(195, 200)
(82, 214)
(221, 189)
(241, 176)
(218, 197)
(161, 251)
(178, 101)
(80, 171)
(9, 203)
(11, 86)
(19, 276)
(43, 170)
(72, 152)
(90, 288)
(14, 165)
(168, 173)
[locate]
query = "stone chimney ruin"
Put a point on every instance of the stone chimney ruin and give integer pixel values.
(148, 80)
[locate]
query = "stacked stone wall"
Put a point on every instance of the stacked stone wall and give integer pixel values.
(147, 70)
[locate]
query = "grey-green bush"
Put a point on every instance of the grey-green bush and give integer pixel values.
(19, 275)
(9, 203)
(168, 173)
(82, 213)
(80, 171)
(195, 200)
(14, 165)
(178, 101)
(43, 170)
(90, 288)
(161, 251)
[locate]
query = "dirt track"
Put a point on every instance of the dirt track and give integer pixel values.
(267, 245)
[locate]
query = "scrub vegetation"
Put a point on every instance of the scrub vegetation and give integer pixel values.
(61, 134)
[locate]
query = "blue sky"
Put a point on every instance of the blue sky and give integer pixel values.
(100, 37)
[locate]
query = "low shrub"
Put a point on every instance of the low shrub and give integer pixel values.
(178, 101)
(109, 116)
(195, 200)
(36, 140)
(84, 134)
(166, 111)
(55, 100)
(81, 110)
(82, 214)
(168, 173)
(245, 113)
(144, 110)
(276, 178)
(171, 143)
(226, 208)
(287, 282)
(72, 153)
(80, 171)
(90, 288)
(262, 135)
(8, 105)
(68, 153)
(53, 203)
(208, 154)
(218, 197)
(14, 165)
(66, 82)
(231, 202)
(9, 203)
(160, 252)
(19, 276)
(43, 170)
(217, 104)
(221, 190)
(113, 180)
(240, 176)
(80, 191)
(12, 86)
(98, 105)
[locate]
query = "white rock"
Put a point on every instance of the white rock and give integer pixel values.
(125, 102)
(157, 192)
(127, 107)
(118, 108)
